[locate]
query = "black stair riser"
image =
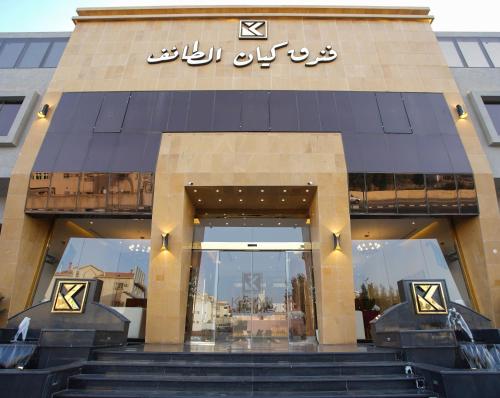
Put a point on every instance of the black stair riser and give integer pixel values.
(145, 394)
(244, 386)
(246, 358)
(243, 370)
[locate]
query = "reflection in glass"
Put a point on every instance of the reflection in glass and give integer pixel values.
(381, 195)
(492, 46)
(450, 53)
(473, 53)
(38, 191)
(93, 190)
(146, 189)
(300, 301)
(235, 294)
(442, 193)
(202, 296)
(467, 194)
(410, 190)
(122, 193)
(357, 192)
(63, 191)
(269, 292)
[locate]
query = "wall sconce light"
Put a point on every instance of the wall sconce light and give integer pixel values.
(42, 113)
(461, 112)
(164, 241)
(336, 241)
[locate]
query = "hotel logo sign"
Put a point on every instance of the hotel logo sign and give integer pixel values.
(70, 297)
(253, 30)
(429, 298)
(196, 55)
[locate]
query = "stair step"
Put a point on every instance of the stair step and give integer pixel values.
(406, 393)
(369, 356)
(241, 383)
(243, 368)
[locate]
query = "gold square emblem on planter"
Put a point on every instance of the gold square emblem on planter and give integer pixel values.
(429, 298)
(71, 297)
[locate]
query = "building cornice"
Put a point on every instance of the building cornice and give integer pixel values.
(193, 12)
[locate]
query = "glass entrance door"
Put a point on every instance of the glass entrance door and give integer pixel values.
(251, 296)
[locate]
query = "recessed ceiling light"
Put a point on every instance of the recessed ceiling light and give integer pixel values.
(220, 200)
(195, 190)
(91, 222)
(279, 223)
(262, 199)
(227, 223)
(307, 190)
(261, 190)
(282, 199)
(239, 190)
(284, 190)
(199, 200)
(217, 191)
(304, 199)
(241, 200)
(413, 223)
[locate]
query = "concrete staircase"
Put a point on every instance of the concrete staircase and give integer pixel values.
(139, 374)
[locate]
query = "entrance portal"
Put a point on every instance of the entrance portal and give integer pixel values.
(244, 293)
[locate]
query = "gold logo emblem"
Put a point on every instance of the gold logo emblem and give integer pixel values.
(70, 297)
(429, 298)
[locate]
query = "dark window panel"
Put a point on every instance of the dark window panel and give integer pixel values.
(140, 110)
(123, 192)
(128, 153)
(150, 156)
(354, 159)
(64, 118)
(444, 120)
(201, 109)
(327, 108)
(283, 111)
(433, 155)
(161, 111)
(8, 112)
(493, 109)
(403, 152)
(227, 111)
(9, 53)
(100, 152)
(112, 112)
(33, 56)
(88, 110)
(345, 111)
(55, 53)
(357, 192)
(380, 193)
(146, 190)
(442, 193)
(467, 195)
(393, 113)
(38, 191)
(456, 152)
(375, 151)
(71, 157)
(309, 119)
(63, 191)
(179, 109)
(411, 194)
(365, 112)
(49, 151)
(255, 111)
(421, 114)
(93, 192)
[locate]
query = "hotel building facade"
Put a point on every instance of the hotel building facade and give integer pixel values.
(237, 173)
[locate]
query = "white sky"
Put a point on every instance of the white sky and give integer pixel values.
(55, 15)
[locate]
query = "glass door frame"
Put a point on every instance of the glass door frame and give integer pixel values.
(287, 248)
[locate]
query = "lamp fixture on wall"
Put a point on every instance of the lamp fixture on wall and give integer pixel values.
(461, 112)
(336, 241)
(164, 241)
(42, 113)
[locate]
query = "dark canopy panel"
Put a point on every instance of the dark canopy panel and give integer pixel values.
(382, 132)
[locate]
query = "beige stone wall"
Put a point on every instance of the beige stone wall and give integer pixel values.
(374, 54)
(254, 159)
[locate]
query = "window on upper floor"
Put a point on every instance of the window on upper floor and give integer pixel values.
(31, 52)
(493, 108)
(8, 112)
(471, 52)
